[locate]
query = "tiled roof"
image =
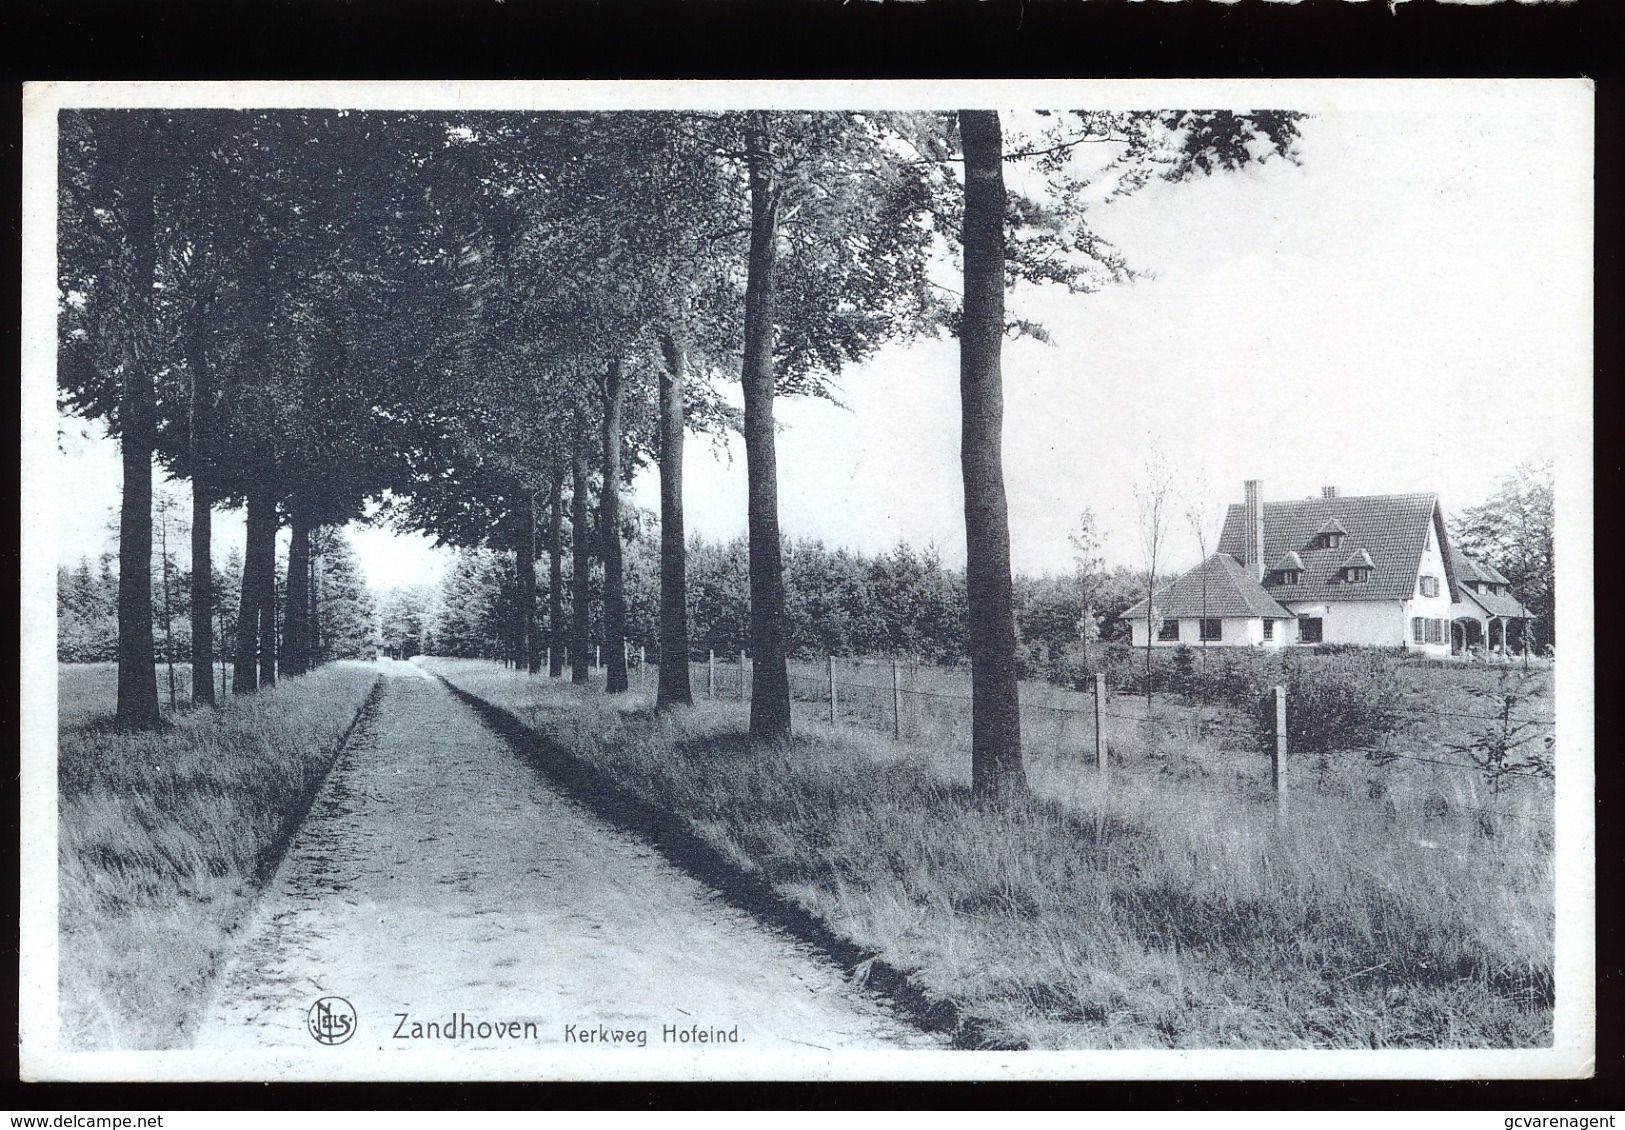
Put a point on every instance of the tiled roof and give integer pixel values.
(1495, 605)
(1392, 528)
(1290, 561)
(1470, 569)
(1231, 591)
(1332, 526)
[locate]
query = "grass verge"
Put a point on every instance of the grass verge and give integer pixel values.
(166, 837)
(1147, 910)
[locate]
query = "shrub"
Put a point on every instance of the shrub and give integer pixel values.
(1125, 669)
(1237, 678)
(1183, 677)
(1512, 740)
(1075, 665)
(1341, 701)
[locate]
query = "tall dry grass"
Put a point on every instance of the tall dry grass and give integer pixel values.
(1147, 909)
(166, 837)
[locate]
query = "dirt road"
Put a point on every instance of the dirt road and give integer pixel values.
(439, 879)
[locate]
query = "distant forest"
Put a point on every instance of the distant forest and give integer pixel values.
(346, 612)
(903, 602)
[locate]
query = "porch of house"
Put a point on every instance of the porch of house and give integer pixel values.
(1490, 635)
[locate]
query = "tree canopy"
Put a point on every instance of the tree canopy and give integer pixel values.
(449, 320)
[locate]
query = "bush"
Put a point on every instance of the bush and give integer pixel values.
(1341, 701)
(1124, 667)
(1511, 740)
(1237, 678)
(1341, 698)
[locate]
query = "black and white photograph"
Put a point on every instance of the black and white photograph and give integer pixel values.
(727, 581)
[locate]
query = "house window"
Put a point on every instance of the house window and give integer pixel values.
(1419, 631)
(1435, 631)
(1212, 628)
(1329, 541)
(1356, 574)
(1430, 586)
(1168, 631)
(1309, 629)
(1285, 576)
(1269, 629)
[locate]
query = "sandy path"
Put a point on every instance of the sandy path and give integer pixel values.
(437, 874)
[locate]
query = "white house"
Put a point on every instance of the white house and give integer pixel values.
(1219, 602)
(1376, 571)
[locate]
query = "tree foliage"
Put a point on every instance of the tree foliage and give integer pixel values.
(1512, 531)
(412, 315)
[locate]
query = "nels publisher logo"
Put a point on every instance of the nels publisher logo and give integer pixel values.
(331, 1020)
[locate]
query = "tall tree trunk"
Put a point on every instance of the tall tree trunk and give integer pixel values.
(137, 672)
(996, 768)
(673, 689)
(267, 599)
(313, 622)
(296, 602)
(202, 568)
(609, 533)
(202, 600)
(525, 589)
(260, 527)
(580, 567)
(555, 577)
(770, 676)
(525, 569)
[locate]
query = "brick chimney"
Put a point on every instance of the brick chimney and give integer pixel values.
(1253, 516)
(1328, 492)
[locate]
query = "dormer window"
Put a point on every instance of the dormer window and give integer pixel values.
(1357, 569)
(1330, 536)
(1287, 571)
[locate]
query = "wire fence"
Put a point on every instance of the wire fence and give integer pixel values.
(1105, 727)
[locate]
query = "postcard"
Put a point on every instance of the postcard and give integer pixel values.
(807, 581)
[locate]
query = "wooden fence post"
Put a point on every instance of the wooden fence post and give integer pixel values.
(1278, 753)
(643, 662)
(549, 663)
(831, 664)
(1100, 722)
(741, 674)
(711, 674)
(896, 702)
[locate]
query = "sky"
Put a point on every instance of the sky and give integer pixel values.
(1406, 309)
